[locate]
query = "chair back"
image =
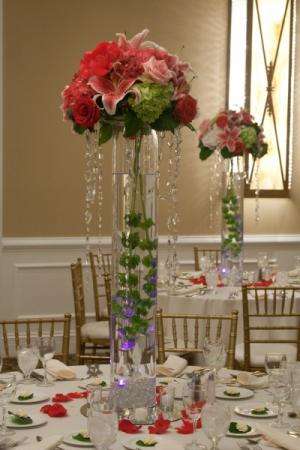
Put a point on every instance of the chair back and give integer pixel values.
(24, 331)
(213, 254)
(271, 315)
(186, 333)
(101, 278)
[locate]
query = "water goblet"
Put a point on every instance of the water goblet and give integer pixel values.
(166, 400)
(27, 361)
(297, 265)
(274, 361)
(194, 398)
(204, 263)
(212, 278)
(102, 411)
(1, 363)
(8, 384)
(280, 385)
(214, 353)
(46, 351)
(295, 400)
(215, 422)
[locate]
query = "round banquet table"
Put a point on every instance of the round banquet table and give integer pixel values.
(222, 301)
(75, 421)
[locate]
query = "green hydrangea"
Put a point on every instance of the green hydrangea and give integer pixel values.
(248, 136)
(155, 98)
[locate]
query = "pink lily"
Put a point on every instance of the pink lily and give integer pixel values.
(111, 91)
(134, 42)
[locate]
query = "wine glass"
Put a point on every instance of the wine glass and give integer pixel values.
(274, 361)
(194, 398)
(102, 412)
(295, 400)
(27, 361)
(1, 363)
(212, 278)
(8, 385)
(46, 350)
(280, 385)
(214, 353)
(215, 419)
(204, 263)
(297, 265)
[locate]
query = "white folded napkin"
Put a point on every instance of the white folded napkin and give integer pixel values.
(48, 443)
(293, 273)
(250, 380)
(59, 370)
(277, 437)
(172, 366)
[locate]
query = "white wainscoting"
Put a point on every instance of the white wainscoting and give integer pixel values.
(36, 278)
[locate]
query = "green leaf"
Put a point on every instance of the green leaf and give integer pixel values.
(226, 153)
(165, 122)
(78, 128)
(205, 152)
(132, 124)
(190, 126)
(105, 133)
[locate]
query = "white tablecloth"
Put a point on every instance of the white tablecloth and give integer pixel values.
(75, 421)
(218, 302)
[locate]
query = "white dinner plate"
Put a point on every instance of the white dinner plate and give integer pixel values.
(246, 411)
(190, 275)
(93, 382)
(37, 420)
(71, 441)
(252, 432)
(132, 445)
(244, 393)
(37, 398)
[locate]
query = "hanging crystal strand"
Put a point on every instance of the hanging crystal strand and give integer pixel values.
(174, 155)
(256, 184)
(94, 191)
(215, 186)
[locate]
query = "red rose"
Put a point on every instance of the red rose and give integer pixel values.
(85, 112)
(186, 109)
(222, 120)
(100, 60)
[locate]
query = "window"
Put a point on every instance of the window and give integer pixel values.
(261, 77)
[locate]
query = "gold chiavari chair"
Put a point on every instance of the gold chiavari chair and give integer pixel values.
(101, 279)
(193, 328)
(92, 338)
(271, 323)
(23, 331)
(213, 254)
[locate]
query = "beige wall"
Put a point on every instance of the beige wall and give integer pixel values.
(43, 193)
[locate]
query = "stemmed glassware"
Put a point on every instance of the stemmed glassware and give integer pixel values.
(194, 398)
(8, 384)
(212, 278)
(46, 351)
(215, 422)
(102, 419)
(27, 361)
(274, 361)
(214, 353)
(280, 385)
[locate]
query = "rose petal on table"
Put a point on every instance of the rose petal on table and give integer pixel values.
(55, 410)
(200, 280)
(128, 427)
(61, 398)
(186, 427)
(75, 395)
(160, 426)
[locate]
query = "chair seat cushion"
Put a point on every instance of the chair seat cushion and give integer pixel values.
(258, 351)
(95, 330)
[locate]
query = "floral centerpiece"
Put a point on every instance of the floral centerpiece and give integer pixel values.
(132, 80)
(231, 135)
(128, 90)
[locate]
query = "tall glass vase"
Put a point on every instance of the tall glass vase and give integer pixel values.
(232, 220)
(134, 273)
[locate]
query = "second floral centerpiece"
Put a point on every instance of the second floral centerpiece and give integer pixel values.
(231, 136)
(130, 91)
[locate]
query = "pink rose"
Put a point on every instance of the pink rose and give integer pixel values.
(85, 112)
(186, 109)
(157, 70)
